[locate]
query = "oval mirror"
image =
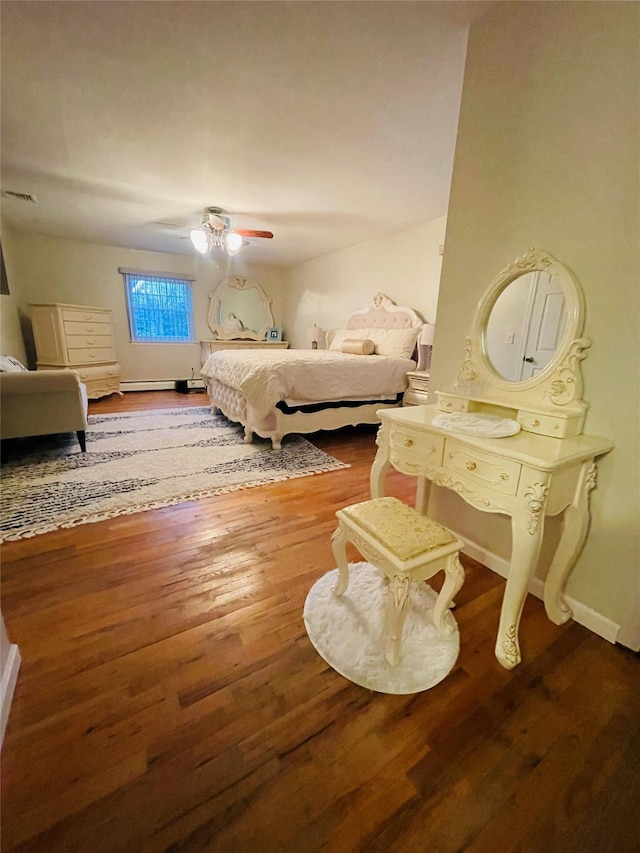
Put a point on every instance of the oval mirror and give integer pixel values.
(525, 326)
(239, 310)
(525, 347)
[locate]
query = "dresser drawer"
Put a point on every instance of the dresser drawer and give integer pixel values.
(411, 449)
(89, 342)
(500, 475)
(87, 355)
(75, 315)
(87, 328)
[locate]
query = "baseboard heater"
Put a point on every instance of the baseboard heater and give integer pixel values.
(186, 385)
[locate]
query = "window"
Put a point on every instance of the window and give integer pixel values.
(160, 307)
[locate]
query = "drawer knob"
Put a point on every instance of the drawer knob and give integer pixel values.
(471, 466)
(535, 424)
(408, 442)
(504, 476)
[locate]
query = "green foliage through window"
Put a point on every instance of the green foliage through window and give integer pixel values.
(160, 308)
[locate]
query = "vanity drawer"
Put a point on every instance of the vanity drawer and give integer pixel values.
(549, 425)
(411, 449)
(452, 404)
(500, 475)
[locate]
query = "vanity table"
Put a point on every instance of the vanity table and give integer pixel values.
(546, 467)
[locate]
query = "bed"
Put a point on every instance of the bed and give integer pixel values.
(277, 392)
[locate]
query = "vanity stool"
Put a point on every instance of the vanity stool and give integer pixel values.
(408, 547)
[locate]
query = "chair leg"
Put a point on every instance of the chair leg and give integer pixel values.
(339, 548)
(82, 440)
(397, 601)
(454, 578)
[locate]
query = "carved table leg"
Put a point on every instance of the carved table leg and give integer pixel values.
(379, 467)
(575, 526)
(394, 619)
(454, 578)
(422, 495)
(276, 442)
(339, 548)
(248, 435)
(527, 539)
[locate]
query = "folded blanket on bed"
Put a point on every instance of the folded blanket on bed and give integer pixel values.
(267, 376)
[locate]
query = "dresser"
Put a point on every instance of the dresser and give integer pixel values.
(80, 338)
(207, 347)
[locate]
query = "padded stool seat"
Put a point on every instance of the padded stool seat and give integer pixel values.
(407, 547)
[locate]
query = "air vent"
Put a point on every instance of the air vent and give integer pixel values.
(19, 196)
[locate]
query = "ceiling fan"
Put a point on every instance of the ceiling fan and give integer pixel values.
(216, 233)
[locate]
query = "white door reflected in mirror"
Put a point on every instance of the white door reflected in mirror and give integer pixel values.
(526, 326)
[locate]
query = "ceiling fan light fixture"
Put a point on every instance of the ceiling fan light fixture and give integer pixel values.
(234, 242)
(199, 240)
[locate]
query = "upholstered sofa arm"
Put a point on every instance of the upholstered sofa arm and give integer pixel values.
(39, 382)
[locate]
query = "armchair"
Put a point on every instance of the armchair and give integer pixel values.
(42, 402)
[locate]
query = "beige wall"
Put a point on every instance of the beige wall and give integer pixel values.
(405, 266)
(44, 269)
(547, 156)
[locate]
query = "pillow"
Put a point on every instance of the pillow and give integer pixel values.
(340, 335)
(399, 343)
(9, 364)
(353, 346)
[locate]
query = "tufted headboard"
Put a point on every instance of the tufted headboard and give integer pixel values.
(382, 313)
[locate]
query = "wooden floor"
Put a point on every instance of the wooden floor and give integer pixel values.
(169, 698)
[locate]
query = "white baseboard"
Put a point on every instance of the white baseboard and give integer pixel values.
(8, 685)
(583, 615)
(150, 385)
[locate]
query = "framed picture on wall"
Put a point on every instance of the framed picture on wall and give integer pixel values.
(274, 333)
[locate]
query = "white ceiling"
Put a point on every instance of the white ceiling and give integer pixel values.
(328, 123)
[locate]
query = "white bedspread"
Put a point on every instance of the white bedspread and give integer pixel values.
(267, 376)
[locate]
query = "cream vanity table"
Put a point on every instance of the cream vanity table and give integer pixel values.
(543, 464)
(239, 316)
(77, 337)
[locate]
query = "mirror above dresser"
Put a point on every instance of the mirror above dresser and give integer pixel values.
(523, 355)
(239, 309)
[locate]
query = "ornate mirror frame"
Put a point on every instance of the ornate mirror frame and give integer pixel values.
(557, 390)
(225, 333)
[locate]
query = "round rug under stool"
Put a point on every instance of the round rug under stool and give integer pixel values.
(346, 631)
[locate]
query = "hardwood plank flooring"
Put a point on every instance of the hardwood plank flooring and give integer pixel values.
(170, 700)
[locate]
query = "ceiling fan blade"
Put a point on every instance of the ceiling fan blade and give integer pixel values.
(249, 232)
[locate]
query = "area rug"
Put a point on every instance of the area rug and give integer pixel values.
(346, 631)
(139, 461)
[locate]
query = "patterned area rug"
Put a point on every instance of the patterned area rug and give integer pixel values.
(346, 631)
(138, 461)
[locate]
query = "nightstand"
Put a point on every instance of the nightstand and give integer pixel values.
(416, 393)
